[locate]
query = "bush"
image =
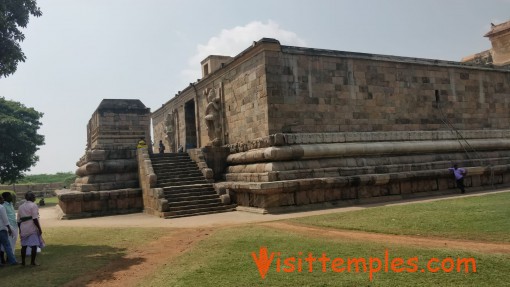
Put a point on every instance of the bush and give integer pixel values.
(65, 177)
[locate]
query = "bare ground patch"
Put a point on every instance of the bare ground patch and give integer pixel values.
(142, 260)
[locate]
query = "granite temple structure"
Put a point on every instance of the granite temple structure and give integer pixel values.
(277, 128)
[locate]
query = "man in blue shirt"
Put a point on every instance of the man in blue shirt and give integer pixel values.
(11, 216)
(459, 174)
(5, 232)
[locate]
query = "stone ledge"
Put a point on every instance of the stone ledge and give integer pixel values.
(346, 203)
(330, 150)
(252, 209)
(283, 139)
(271, 195)
(369, 173)
(75, 204)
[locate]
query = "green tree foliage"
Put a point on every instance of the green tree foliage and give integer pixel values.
(19, 139)
(13, 15)
(66, 177)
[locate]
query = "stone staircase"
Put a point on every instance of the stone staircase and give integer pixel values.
(187, 191)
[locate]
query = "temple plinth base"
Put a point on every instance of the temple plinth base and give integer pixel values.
(75, 204)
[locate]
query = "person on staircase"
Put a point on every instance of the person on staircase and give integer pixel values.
(161, 147)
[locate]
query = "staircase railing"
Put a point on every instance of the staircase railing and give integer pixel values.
(154, 201)
(198, 157)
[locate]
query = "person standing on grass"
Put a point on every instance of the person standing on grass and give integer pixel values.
(29, 228)
(5, 233)
(11, 216)
(459, 174)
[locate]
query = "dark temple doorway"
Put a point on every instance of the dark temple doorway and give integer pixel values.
(191, 127)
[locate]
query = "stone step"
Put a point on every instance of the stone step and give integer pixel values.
(187, 197)
(180, 183)
(186, 190)
(170, 159)
(169, 155)
(178, 172)
(174, 164)
(186, 157)
(167, 169)
(199, 211)
(177, 177)
(180, 179)
(191, 187)
(186, 194)
(186, 205)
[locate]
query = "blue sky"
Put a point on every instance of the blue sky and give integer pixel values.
(82, 51)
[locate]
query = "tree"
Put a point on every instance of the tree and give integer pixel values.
(19, 140)
(13, 15)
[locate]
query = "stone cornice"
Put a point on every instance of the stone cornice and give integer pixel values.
(385, 58)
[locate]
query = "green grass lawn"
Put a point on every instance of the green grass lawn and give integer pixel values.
(225, 257)
(482, 218)
(71, 252)
(225, 260)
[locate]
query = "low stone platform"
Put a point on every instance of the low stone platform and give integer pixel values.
(76, 204)
(288, 171)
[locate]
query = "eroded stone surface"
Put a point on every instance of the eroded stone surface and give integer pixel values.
(108, 180)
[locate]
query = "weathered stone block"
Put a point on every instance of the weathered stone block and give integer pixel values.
(406, 187)
(242, 198)
(225, 199)
(302, 197)
(329, 194)
(364, 192)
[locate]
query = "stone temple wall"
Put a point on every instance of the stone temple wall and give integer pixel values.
(306, 126)
(312, 91)
(350, 127)
(241, 87)
(107, 180)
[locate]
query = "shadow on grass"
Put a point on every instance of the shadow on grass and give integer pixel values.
(69, 265)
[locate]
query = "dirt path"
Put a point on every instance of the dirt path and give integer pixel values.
(414, 241)
(143, 261)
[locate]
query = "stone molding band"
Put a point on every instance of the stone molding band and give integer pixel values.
(311, 151)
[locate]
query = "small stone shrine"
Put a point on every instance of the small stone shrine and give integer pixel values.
(107, 180)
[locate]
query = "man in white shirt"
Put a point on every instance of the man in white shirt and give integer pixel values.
(5, 232)
(29, 228)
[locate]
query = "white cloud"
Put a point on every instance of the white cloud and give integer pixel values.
(231, 42)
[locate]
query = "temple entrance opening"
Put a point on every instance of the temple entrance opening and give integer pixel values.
(190, 124)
